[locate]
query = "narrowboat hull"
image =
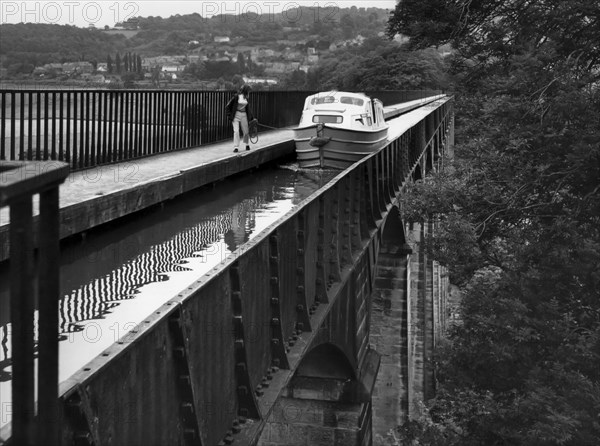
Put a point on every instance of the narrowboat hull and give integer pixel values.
(337, 148)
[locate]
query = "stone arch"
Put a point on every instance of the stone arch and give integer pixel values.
(324, 403)
(326, 374)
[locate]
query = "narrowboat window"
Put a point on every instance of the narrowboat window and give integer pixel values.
(327, 119)
(353, 101)
(323, 100)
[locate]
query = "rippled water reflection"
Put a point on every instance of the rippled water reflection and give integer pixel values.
(115, 278)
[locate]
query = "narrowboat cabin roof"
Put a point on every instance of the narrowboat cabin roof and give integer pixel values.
(353, 111)
(335, 99)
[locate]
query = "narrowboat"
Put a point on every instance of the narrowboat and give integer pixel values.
(339, 128)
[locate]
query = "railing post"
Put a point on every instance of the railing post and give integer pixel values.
(18, 184)
(21, 316)
(49, 283)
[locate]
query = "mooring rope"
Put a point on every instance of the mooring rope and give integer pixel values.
(253, 129)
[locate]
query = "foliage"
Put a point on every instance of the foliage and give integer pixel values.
(26, 46)
(518, 214)
(378, 65)
(296, 80)
(39, 44)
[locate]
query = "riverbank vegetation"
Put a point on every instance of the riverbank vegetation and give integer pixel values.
(519, 212)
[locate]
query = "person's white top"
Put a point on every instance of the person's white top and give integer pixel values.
(242, 102)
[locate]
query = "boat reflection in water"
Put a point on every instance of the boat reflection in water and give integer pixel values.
(338, 128)
(115, 279)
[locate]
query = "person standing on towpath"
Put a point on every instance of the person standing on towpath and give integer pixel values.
(239, 113)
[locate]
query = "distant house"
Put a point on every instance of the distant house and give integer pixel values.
(222, 39)
(49, 68)
(149, 63)
(260, 80)
(292, 55)
(102, 67)
(77, 67)
(263, 53)
(173, 68)
(196, 58)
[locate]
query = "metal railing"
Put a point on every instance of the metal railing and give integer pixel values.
(86, 128)
(19, 182)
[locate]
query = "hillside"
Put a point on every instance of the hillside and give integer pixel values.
(25, 46)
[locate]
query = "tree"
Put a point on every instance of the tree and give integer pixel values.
(518, 212)
(379, 65)
(118, 63)
(109, 64)
(237, 81)
(296, 80)
(128, 80)
(347, 25)
(427, 22)
(241, 63)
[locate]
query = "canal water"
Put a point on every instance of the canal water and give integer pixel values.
(117, 276)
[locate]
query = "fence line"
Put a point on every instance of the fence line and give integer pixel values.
(86, 128)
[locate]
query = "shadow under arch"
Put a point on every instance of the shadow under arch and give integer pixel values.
(326, 361)
(324, 403)
(326, 374)
(417, 174)
(393, 234)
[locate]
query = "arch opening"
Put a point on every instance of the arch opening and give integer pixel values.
(325, 374)
(393, 237)
(326, 361)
